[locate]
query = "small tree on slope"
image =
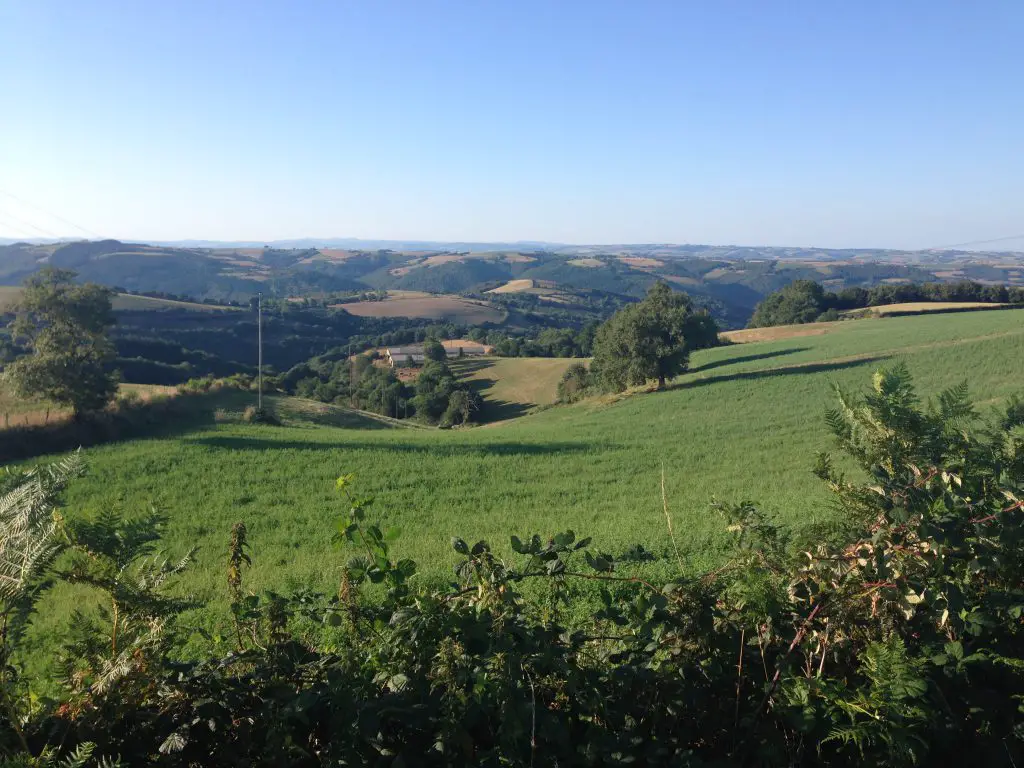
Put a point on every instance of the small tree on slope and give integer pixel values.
(66, 327)
(651, 340)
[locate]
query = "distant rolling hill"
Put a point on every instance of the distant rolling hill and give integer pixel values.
(730, 280)
(124, 301)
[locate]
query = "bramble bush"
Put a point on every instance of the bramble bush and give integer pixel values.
(896, 639)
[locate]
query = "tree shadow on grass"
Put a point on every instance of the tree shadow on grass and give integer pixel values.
(236, 443)
(747, 359)
(466, 365)
(784, 371)
(491, 410)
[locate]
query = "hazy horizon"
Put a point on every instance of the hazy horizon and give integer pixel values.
(993, 246)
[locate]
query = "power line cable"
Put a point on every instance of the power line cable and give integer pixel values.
(89, 232)
(29, 224)
(977, 242)
(16, 229)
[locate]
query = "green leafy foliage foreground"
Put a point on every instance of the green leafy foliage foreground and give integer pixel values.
(896, 641)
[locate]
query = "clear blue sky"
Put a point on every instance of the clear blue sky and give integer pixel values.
(789, 123)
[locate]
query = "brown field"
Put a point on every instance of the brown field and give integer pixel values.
(513, 286)
(456, 343)
(748, 335)
(641, 262)
(443, 258)
(336, 254)
(924, 307)
(589, 263)
(431, 308)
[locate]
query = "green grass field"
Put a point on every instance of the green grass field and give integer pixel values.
(744, 424)
(512, 387)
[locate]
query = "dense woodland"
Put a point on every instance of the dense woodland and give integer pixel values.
(805, 301)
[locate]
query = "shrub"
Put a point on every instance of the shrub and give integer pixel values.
(254, 415)
(575, 384)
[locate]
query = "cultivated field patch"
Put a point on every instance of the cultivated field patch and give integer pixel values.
(774, 333)
(924, 307)
(431, 308)
(513, 286)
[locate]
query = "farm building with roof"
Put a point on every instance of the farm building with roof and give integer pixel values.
(413, 354)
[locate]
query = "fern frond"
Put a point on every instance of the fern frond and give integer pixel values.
(80, 756)
(30, 525)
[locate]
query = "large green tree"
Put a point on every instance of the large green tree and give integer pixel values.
(64, 325)
(651, 340)
(802, 301)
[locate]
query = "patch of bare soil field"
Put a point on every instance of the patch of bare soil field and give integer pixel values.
(748, 335)
(430, 308)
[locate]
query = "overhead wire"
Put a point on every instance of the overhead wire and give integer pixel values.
(976, 242)
(51, 214)
(22, 223)
(17, 230)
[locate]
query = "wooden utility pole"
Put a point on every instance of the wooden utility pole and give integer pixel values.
(259, 365)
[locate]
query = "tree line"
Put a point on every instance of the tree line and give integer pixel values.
(806, 301)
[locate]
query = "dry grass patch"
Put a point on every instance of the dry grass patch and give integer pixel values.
(513, 286)
(430, 308)
(443, 258)
(641, 262)
(778, 332)
(29, 412)
(588, 263)
(924, 307)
